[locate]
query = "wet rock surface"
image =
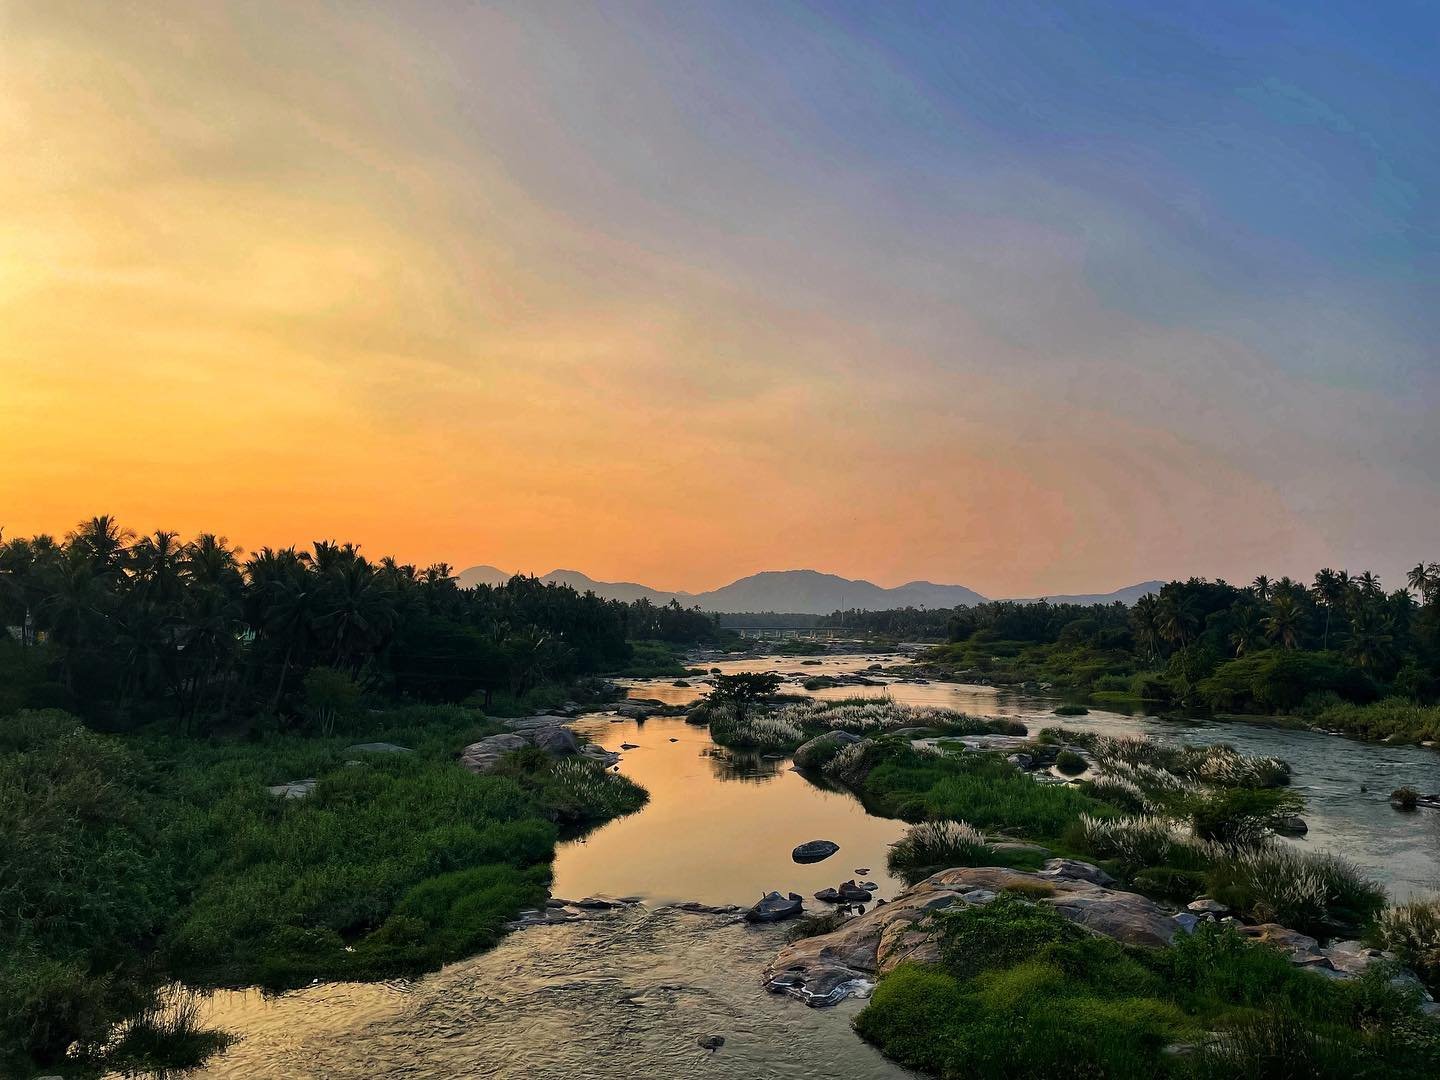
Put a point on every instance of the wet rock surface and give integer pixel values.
(813, 851)
(773, 907)
(827, 968)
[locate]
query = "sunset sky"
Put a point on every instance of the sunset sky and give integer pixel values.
(998, 294)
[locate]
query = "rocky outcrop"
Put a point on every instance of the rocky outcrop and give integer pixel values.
(295, 789)
(827, 968)
(554, 739)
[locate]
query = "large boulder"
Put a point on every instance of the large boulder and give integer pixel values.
(824, 969)
(557, 741)
(482, 756)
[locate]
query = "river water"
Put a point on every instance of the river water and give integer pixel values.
(627, 994)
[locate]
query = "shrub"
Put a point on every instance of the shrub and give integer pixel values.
(1134, 841)
(853, 764)
(820, 751)
(1072, 710)
(1124, 793)
(1070, 763)
(1412, 932)
(1405, 798)
(1393, 718)
(331, 696)
(938, 845)
(1241, 816)
(1313, 893)
(1167, 883)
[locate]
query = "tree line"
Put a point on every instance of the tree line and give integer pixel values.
(125, 629)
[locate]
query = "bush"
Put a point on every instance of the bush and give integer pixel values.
(1070, 763)
(932, 846)
(331, 697)
(1316, 894)
(1405, 798)
(1167, 883)
(1241, 816)
(1412, 932)
(1135, 841)
(1071, 710)
(1393, 718)
(85, 879)
(1279, 680)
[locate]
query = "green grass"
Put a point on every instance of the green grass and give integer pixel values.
(982, 789)
(131, 861)
(1022, 992)
(1395, 719)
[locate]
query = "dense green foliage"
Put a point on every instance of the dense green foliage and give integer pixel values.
(1022, 992)
(1270, 647)
(133, 860)
(157, 853)
(127, 631)
(982, 789)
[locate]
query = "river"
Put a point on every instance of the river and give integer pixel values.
(628, 994)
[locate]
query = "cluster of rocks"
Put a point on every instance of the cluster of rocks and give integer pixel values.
(827, 968)
(848, 893)
(546, 733)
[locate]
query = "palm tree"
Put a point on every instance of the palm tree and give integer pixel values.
(1421, 580)
(1369, 640)
(1246, 632)
(1369, 584)
(1178, 621)
(103, 542)
(1285, 621)
(1262, 587)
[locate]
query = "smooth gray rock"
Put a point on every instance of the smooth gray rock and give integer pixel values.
(1074, 870)
(813, 851)
(295, 789)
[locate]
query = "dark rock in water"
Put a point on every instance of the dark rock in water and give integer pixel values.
(862, 870)
(711, 1042)
(1292, 825)
(680, 682)
(813, 851)
(869, 886)
(629, 746)
(829, 896)
(853, 894)
(674, 740)
(773, 907)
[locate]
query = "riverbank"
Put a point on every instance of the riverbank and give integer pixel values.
(1013, 988)
(269, 862)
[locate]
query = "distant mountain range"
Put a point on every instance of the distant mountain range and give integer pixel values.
(800, 592)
